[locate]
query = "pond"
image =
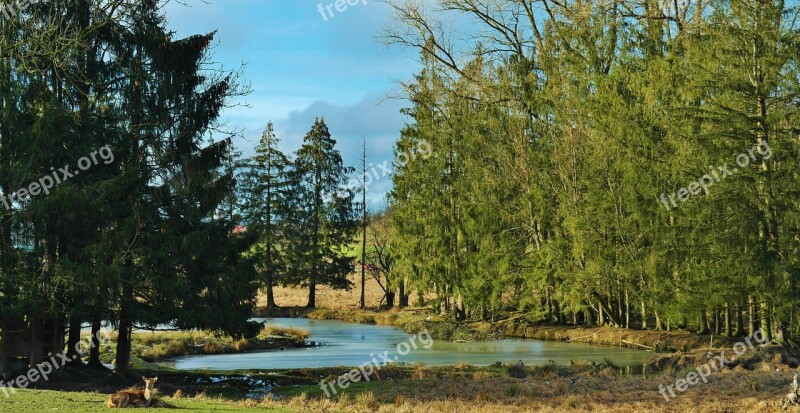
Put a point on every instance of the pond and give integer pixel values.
(347, 344)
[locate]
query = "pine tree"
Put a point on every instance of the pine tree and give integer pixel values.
(324, 222)
(265, 202)
(179, 259)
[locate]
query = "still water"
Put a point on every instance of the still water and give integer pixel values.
(347, 344)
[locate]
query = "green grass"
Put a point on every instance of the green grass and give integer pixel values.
(39, 401)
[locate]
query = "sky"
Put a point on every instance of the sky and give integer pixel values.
(301, 65)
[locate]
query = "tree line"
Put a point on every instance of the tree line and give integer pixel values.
(556, 128)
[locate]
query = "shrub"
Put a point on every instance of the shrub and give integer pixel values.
(516, 371)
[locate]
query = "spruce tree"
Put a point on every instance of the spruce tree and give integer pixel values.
(264, 203)
(325, 220)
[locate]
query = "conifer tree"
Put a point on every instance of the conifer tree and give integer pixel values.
(265, 208)
(325, 219)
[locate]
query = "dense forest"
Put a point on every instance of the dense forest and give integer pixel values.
(628, 163)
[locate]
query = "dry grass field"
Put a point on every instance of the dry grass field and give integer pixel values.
(328, 297)
(729, 391)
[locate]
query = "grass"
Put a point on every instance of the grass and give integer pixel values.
(35, 401)
(328, 297)
(554, 391)
(473, 391)
(155, 346)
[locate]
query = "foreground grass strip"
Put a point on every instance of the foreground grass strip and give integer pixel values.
(36, 401)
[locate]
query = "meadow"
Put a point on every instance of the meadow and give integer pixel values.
(468, 389)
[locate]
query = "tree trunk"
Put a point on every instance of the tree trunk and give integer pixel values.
(782, 332)
(403, 295)
(35, 350)
(605, 313)
(73, 341)
(549, 308)
(312, 294)
(644, 316)
(364, 217)
(728, 326)
(124, 347)
(125, 329)
(458, 310)
(766, 322)
(94, 352)
(627, 310)
(315, 255)
(559, 319)
(600, 319)
(740, 320)
(270, 293)
(703, 328)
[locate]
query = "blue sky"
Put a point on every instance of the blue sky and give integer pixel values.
(301, 66)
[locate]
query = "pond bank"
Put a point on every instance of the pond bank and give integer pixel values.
(513, 326)
(160, 345)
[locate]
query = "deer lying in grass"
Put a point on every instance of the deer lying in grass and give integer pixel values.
(134, 398)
